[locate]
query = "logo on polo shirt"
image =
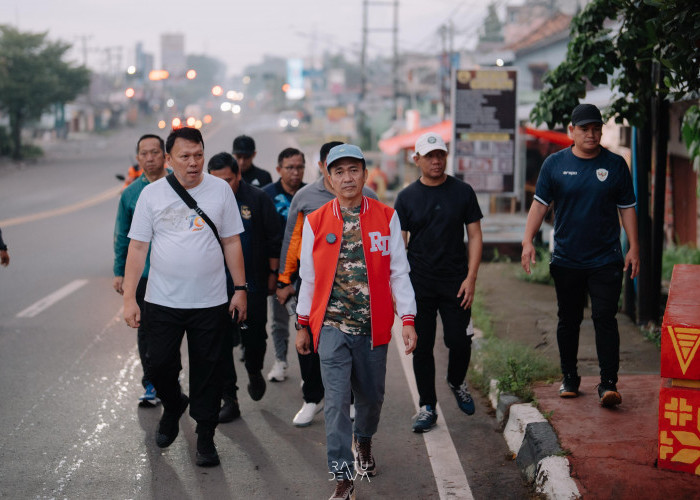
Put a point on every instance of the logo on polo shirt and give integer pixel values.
(602, 174)
(379, 243)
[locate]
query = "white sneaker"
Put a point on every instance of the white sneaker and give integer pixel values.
(304, 416)
(352, 412)
(278, 373)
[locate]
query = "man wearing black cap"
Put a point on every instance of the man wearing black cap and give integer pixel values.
(588, 186)
(244, 153)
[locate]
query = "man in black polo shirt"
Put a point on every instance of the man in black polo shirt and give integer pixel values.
(261, 242)
(244, 152)
(434, 211)
(588, 186)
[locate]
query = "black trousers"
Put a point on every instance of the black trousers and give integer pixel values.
(205, 340)
(253, 340)
(141, 332)
(433, 296)
(604, 285)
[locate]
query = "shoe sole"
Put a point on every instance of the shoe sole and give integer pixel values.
(421, 431)
(610, 399)
(568, 394)
(203, 461)
(274, 379)
(148, 403)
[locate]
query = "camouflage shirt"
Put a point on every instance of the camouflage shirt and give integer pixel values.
(348, 306)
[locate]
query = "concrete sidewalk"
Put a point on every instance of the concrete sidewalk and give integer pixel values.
(613, 452)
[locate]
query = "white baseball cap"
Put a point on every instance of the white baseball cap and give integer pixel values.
(429, 142)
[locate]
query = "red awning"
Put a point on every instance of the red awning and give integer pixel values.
(395, 144)
(550, 136)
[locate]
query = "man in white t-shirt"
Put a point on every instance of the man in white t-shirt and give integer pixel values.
(186, 289)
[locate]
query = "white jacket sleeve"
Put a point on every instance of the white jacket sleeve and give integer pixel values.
(307, 273)
(401, 286)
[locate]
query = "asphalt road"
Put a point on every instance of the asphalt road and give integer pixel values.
(70, 375)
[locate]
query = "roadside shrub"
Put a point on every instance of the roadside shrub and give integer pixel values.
(682, 254)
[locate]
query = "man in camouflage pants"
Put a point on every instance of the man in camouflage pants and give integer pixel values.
(353, 260)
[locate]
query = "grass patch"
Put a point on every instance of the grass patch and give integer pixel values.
(652, 333)
(540, 270)
(678, 255)
(515, 366)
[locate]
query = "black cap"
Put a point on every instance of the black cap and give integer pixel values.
(584, 114)
(243, 145)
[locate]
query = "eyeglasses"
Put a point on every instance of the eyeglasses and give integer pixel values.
(298, 168)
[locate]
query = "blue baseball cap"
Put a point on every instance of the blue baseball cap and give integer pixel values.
(344, 151)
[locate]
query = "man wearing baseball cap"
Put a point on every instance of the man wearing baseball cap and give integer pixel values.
(434, 210)
(589, 186)
(244, 152)
(353, 261)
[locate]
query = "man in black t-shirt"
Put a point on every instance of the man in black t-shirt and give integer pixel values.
(244, 152)
(434, 211)
(588, 186)
(261, 243)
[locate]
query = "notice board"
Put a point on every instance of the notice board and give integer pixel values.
(484, 108)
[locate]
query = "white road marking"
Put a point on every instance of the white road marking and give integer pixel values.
(51, 299)
(447, 469)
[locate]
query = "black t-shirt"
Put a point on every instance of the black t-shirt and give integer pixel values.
(435, 217)
(256, 176)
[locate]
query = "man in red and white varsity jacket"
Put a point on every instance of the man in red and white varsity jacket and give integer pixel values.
(353, 270)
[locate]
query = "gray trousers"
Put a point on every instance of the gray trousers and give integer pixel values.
(348, 362)
(280, 328)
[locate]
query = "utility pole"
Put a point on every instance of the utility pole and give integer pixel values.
(363, 131)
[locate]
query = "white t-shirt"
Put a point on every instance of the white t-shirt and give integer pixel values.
(187, 265)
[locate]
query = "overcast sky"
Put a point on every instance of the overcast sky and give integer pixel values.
(241, 32)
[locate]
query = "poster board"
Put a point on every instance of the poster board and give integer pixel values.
(484, 104)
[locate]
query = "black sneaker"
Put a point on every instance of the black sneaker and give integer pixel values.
(256, 386)
(169, 425)
(229, 410)
(207, 456)
(364, 460)
(464, 399)
(425, 419)
(569, 386)
(607, 392)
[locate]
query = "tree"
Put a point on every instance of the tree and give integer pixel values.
(33, 78)
(648, 53)
(649, 33)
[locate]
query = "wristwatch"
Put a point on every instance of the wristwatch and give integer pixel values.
(241, 287)
(274, 271)
(282, 284)
(298, 326)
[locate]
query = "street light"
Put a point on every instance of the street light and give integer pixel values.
(161, 124)
(130, 92)
(217, 90)
(191, 74)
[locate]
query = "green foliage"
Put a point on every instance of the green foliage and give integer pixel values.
(539, 272)
(652, 333)
(31, 151)
(34, 77)
(677, 255)
(650, 32)
(515, 366)
(691, 134)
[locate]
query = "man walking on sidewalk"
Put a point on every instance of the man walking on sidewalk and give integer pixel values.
(306, 200)
(290, 166)
(588, 186)
(186, 289)
(434, 211)
(150, 154)
(353, 261)
(261, 247)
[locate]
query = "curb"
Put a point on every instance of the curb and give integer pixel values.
(534, 445)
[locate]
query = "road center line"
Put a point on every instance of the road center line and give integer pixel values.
(447, 469)
(51, 299)
(95, 200)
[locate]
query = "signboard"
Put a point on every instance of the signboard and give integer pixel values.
(484, 109)
(295, 79)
